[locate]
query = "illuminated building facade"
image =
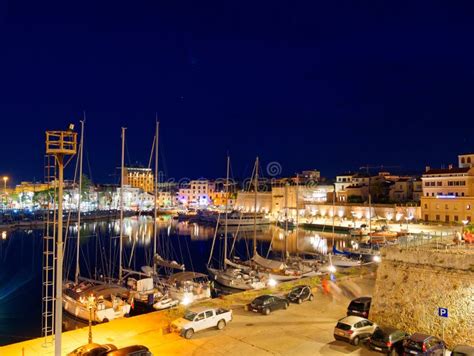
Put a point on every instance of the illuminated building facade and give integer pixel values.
(142, 178)
(448, 194)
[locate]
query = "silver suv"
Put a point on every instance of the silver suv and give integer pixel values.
(353, 328)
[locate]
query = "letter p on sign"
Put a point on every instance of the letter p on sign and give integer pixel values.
(443, 312)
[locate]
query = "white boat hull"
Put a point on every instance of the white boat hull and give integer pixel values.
(79, 310)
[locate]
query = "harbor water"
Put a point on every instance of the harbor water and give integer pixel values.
(188, 243)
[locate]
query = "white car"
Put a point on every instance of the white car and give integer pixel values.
(197, 319)
(354, 328)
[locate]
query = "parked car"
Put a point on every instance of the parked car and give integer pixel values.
(134, 350)
(462, 350)
(388, 340)
(359, 307)
(300, 294)
(197, 319)
(92, 349)
(265, 304)
(422, 344)
(354, 328)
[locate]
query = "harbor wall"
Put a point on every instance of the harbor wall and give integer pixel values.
(411, 285)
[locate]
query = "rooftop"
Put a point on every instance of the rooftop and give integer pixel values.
(448, 170)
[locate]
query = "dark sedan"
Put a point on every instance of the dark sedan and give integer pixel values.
(265, 304)
(300, 294)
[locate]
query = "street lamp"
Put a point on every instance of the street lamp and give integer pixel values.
(464, 223)
(5, 179)
(91, 306)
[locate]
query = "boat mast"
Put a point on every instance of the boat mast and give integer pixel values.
(255, 209)
(286, 222)
(79, 198)
(370, 216)
(122, 174)
(226, 190)
(333, 211)
(156, 194)
(297, 210)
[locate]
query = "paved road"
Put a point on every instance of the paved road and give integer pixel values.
(305, 329)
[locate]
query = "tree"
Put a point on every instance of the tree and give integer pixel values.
(354, 199)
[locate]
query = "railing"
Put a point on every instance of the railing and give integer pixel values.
(435, 240)
(64, 142)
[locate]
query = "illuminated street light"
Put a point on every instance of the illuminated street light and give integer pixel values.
(272, 282)
(91, 306)
(5, 179)
(186, 300)
(377, 259)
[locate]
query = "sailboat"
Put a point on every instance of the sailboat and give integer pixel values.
(111, 300)
(277, 270)
(233, 275)
(147, 291)
(181, 287)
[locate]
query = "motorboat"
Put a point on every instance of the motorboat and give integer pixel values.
(108, 301)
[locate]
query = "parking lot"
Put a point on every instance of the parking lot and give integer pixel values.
(305, 329)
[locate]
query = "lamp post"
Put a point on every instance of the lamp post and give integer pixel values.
(5, 179)
(464, 223)
(91, 306)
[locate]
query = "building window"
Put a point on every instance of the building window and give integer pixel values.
(456, 218)
(426, 217)
(446, 218)
(462, 160)
(468, 159)
(432, 194)
(426, 206)
(439, 184)
(437, 218)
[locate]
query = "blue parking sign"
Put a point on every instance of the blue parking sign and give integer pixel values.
(443, 312)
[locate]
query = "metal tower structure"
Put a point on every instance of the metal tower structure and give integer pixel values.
(49, 235)
(59, 144)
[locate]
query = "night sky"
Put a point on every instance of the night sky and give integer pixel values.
(330, 85)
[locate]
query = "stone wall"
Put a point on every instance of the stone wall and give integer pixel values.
(412, 284)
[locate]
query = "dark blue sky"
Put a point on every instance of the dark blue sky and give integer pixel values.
(329, 85)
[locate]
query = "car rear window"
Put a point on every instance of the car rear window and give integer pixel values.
(357, 306)
(413, 345)
(380, 335)
(343, 326)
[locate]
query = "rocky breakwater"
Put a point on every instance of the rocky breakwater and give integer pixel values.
(413, 283)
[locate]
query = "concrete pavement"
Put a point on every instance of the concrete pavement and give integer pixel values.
(305, 329)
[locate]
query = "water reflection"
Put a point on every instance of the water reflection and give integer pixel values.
(187, 243)
(138, 232)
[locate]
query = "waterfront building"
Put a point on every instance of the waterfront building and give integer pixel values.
(197, 193)
(466, 160)
(137, 177)
(448, 193)
(30, 187)
(246, 201)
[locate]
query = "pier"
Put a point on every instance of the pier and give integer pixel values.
(306, 327)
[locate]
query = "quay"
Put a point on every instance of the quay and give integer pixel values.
(302, 329)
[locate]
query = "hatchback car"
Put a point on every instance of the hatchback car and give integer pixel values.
(300, 294)
(388, 340)
(462, 350)
(134, 350)
(265, 304)
(421, 344)
(354, 328)
(359, 307)
(92, 349)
